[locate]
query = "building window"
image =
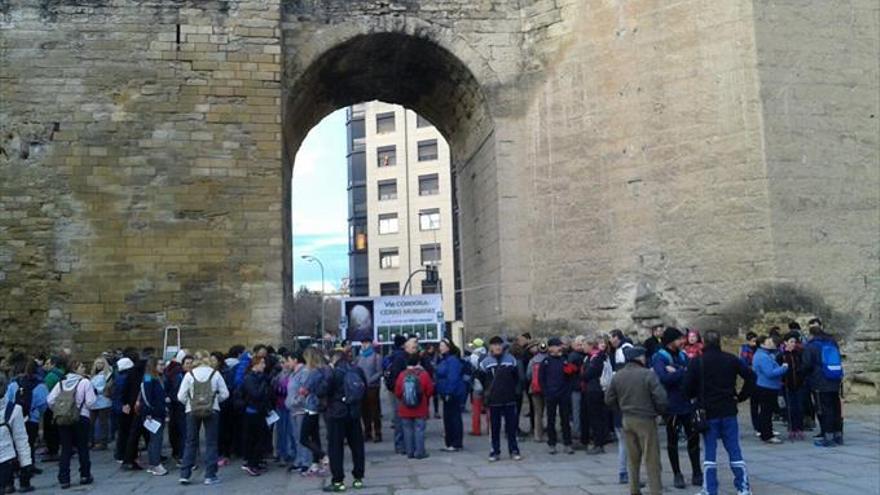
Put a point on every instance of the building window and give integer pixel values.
(389, 289)
(430, 254)
(430, 287)
(386, 156)
(389, 258)
(387, 189)
(429, 219)
(384, 122)
(388, 224)
(356, 134)
(429, 185)
(357, 238)
(427, 150)
(422, 122)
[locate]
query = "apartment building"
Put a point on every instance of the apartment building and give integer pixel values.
(400, 204)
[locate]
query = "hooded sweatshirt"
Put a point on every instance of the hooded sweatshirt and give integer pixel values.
(84, 396)
(203, 373)
(13, 436)
(295, 402)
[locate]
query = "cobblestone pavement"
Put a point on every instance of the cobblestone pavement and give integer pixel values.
(787, 469)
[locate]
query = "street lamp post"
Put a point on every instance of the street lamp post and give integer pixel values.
(311, 258)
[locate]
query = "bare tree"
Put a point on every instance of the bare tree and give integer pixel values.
(307, 313)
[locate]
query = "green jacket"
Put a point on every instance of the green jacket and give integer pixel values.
(636, 391)
(54, 376)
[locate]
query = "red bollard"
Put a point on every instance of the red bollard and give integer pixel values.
(476, 416)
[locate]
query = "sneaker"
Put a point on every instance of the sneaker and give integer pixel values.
(823, 442)
(334, 488)
(758, 434)
(211, 481)
(697, 479)
(773, 441)
(596, 450)
(552, 450)
(250, 471)
(744, 492)
(516, 456)
(65, 486)
(357, 484)
(449, 449)
(569, 450)
(422, 456)
(157, 470)
(25, 489)
(223, 461)
(678, 481)
(623, 479)
(183, 480)
(838, 438)
(132, 467)
(493, 457)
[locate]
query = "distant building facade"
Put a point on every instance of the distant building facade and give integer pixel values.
(400, 204)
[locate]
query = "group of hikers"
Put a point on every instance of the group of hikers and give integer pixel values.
(262, 404)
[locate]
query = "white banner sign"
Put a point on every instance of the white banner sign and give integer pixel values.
(381, 318)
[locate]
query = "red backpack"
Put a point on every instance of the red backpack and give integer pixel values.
(535, 386)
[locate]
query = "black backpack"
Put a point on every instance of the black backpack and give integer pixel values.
(24, 395)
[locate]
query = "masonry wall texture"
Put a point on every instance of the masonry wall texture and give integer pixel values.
(704, 163)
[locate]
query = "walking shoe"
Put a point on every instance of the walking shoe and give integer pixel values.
(596, 450)
(552, 450)
(9, 489)
(516, 456)
(65, 485)
(183, 480)
(823, 441)
(569, 450)
(773, 441)
(449, 449)
(357, 484)
(744, 492)
(223, 461)
(334, 488)
(422, 456)
(25, 489)
(250, 471)
(697, 479)
(211, 481)
(132, 467)
(493, 457)
(157, 470)
(623, 479)
(838, 438)
(678, 481)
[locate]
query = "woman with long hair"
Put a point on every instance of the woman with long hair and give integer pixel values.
(452, 389)
(310, 436)
(257, 404)
(597, 411)
(152, 414)
(102, 374)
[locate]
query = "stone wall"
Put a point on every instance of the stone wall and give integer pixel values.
(618, 163)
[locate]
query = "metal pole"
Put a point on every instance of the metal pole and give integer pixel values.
(316, 260)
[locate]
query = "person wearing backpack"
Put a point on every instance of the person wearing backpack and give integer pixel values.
(345, 391)
(71, 401)
(413, 390)
(14, 442)
(201, 390)
(370, 362)
(823, 367)
(500, 377)
(670, 364)
(28, 392)
(451, 388)
(597, 366)
(403, 347)
(533, 378)
(151, 405)
(257, 404)
(769, 382)
(55, 371)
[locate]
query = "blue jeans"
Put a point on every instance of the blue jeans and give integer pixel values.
(101, 431)
(508, 414)
(399, 446)
(452, 422)
(154, 450)
(193, 424)
(285, 449)
(303, 456)
(413, 436)
(727, 430)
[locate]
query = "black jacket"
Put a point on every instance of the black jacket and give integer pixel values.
(555, 383)
(337, 408)
(592, 372)
(715, 386)
(255, 393)
(500, 379)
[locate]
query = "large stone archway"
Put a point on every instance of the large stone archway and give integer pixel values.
(618, 163)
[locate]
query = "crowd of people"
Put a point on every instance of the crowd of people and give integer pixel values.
(259, 404)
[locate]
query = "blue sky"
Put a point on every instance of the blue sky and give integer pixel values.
(320, 205)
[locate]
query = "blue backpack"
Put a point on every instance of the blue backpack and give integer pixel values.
(832, 364)
(355, 386)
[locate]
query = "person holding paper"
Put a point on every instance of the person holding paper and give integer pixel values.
(152, 414)
(257, 406)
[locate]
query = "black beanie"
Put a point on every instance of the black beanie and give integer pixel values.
(671, 334)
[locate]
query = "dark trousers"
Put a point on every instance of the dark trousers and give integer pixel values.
(673, 422)
(33, 432)
(794, 402)
(596, 424)
(753, 412)
(562, 406)
(50, 433)
(310, 436)
(135, 432)
(254, 439)
(177, 429)
(5, 474)
(123, 428)
(829, 412)
(371, 412)
(767, 400)
(226, 441)
(75, 436)
(511, 420)
(340, 431)
(452, 422)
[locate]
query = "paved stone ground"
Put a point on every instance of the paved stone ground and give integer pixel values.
(788, 469)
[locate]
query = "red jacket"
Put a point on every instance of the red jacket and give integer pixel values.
(427, 391)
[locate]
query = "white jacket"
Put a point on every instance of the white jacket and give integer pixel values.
(13, 437)
(202, 373)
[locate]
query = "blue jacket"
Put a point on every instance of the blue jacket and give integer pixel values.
(154, 392)
(555, 383)
(118, 394)
(768, 370)
(38, 399)
(673, 382)
(316, 384)
(449, 377)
